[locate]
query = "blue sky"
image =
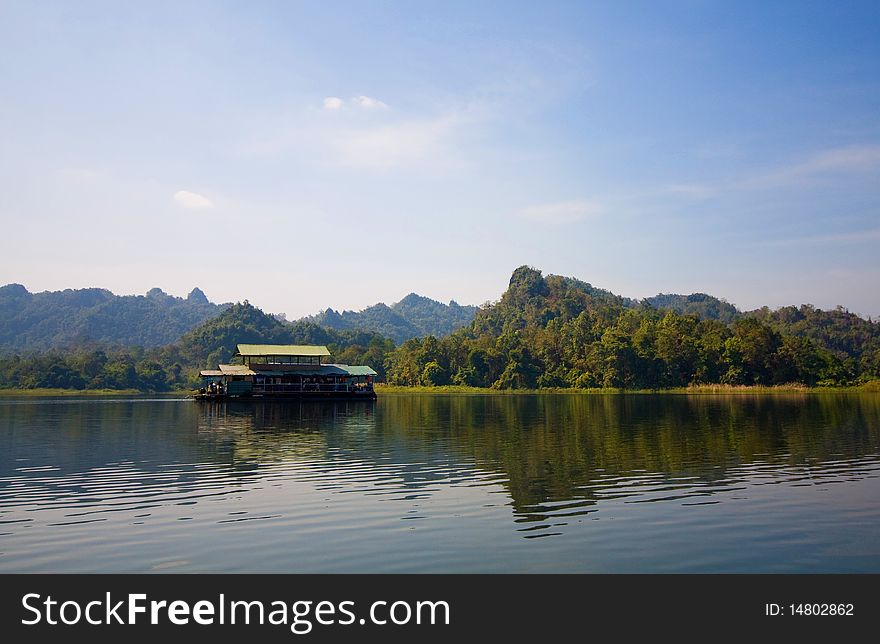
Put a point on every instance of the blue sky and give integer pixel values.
(306, 155)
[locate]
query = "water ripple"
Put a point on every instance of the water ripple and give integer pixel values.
(148, 485)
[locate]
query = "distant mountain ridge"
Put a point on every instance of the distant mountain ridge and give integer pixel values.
(413, 316)
(95, 316)
(544, 331)
(59, 319)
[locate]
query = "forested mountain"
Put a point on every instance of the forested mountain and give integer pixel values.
(850, 337)
(379, 318)
(415, 315)
(545, 331)
(215, 341)
(699, 304)
(559, 332)
(176, 365)
(63, 319)
(431, 317)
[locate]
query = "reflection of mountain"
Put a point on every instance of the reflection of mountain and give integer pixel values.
(567, 447)
(551, 449)
(78, 435)
(331, 442)
(253, 435)
(563, 448)
(553, 453)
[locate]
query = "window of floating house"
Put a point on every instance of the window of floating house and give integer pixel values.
(282, 360)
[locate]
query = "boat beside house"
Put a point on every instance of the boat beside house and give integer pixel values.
(277, 371)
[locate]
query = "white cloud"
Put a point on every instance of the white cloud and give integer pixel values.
(192, 200)
(563, 211)
(334, 103)
(368, 103)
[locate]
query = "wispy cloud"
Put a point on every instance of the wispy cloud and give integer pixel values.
(563, 211)
(855, 159)
(691, 190)
(853, 237)
(823, 165)
(79, 175)
(367, 103)
(373, 138)
(192, 200)
(334, 103)
(396, 144)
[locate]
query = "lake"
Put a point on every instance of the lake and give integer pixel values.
(443, 483)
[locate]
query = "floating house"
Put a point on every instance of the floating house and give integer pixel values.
(286, 371)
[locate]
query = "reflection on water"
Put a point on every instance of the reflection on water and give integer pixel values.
(607, 483)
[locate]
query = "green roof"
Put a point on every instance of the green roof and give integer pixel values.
(316, 370)
(357, 370)
(282, 350)
(236, 370)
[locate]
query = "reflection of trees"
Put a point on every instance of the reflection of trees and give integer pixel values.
(339, 443)
(557, 448)
(549, 448)
(80, 435)
(247, 435)
(546, 448)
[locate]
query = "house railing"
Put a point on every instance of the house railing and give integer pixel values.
(308, 387)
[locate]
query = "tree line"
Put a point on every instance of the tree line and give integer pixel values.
(559, 332)
(176, 366)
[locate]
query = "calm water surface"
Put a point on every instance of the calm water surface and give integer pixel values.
(457, 483)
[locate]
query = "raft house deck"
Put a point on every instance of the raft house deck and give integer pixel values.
(285, 371)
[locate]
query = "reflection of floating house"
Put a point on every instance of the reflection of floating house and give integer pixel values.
(286, 371)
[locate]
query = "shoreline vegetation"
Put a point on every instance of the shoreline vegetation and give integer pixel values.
(872, 386)
(53, 392)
